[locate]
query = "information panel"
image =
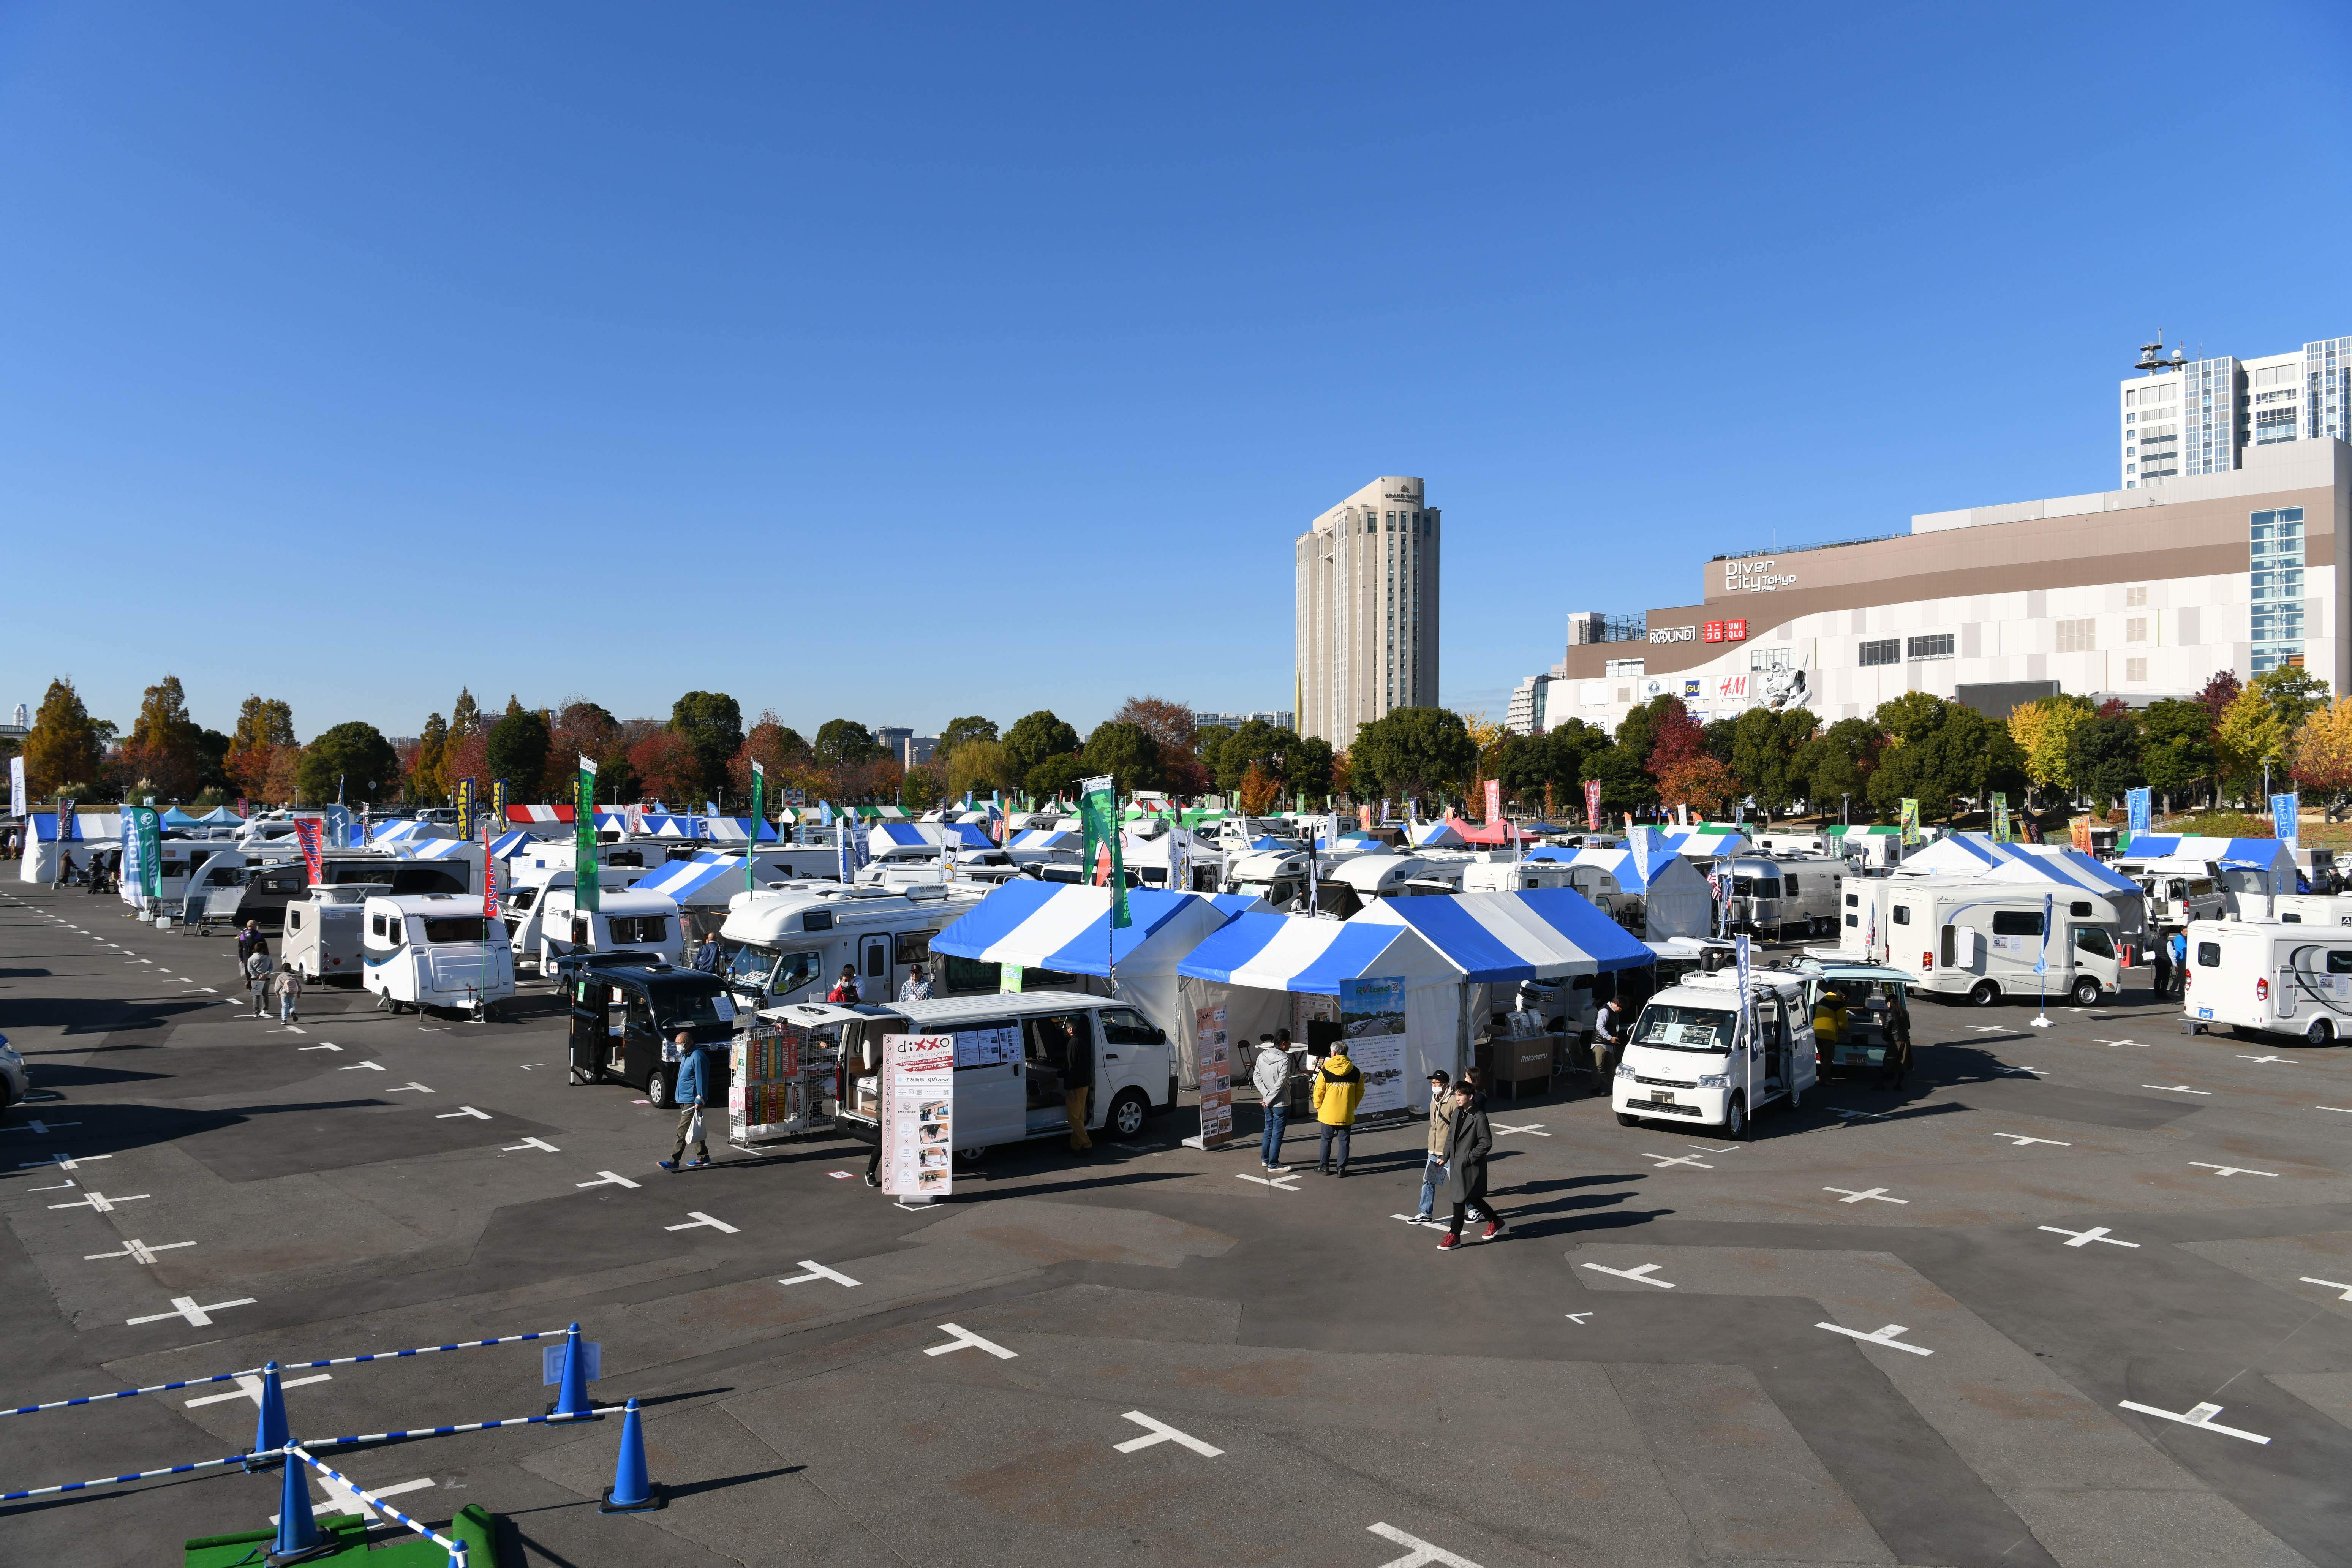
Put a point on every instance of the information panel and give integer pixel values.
(1371, 1014)
(917, 1115)
(1216, 1076)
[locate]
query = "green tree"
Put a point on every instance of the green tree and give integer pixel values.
(63, 747)
(166, 746)
(971, 727)
(354, 758)
(2103, 756)
(712, 723)
(1624, 778)
(1258, 744)
(1055, 775)
(2250, 737)
(465, 714)
(1127, 752)
(1035, 737)
(214, 780)
(844, 744)
(2294, 694)
(1410, 753)
(1836, 765)
(520, 744)
(1209, 747)
(1310, 768)
(1638, 730)
(1720, 738)
(1936, 751)
(2177, 745)
(919, 787)
(1765, 746)
(979, 766)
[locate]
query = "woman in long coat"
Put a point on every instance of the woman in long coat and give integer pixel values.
(1467, 1145)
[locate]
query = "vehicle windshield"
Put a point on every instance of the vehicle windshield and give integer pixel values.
(682, 1003)
(1674, 1028)
(751, 966)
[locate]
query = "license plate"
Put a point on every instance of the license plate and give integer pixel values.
(1660, 1097)
(2204, 1012)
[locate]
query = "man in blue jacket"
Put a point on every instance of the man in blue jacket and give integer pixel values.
(698, 1090)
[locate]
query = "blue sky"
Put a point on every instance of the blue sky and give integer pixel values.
(922, 360)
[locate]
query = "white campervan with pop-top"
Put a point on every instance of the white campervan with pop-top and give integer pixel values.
(434, 951)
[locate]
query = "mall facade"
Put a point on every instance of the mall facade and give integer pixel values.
(2139, 594)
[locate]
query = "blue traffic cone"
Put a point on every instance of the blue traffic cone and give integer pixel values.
(269, 1431)
(571, 1395)
(299, 1540)
(631, 1492)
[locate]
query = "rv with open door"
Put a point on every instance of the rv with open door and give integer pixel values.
(2269, 977)
(433, 952)
(1699, 1057)
(524, 908)
(2178, 892)
(1964, 937)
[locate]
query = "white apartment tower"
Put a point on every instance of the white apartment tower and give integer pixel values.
(2198, 417)
(1366, 637)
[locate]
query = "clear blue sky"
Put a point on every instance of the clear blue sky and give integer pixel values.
(909, 361)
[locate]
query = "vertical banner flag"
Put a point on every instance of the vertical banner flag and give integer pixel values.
(489, 874)
(135, 870)
(2042, 959)
(465, 808)
(633, 819)
(2285, 810)
(150, 850)
(1098, 805)
(1213, 1052)
(498, 802)
(2000, 818)
(311, 832)
(759, 814)
(1180, 860)
(844, 868)
(587, 880)
(2139, 810)
(1592, 804)
(16, 787)
(917, 1107)
(1910, 821)
(1494, 800)
(1743, 949)
(1364, 817)
(244, 806)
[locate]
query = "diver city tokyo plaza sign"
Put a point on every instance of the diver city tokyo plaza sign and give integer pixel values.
(1755, 576)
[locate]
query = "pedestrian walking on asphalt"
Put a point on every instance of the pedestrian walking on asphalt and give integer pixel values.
(2180, 940)
(256, 979)
(288, 985)
(247, 940)
(1441, 1127)
(1609, 1034)
(1896, 1066)
(2163, 967)
(1270, 1076)
(697, 1088)
(1077, 1076)
(844, 990)
(1339, 1088)
(1467, 1143)
(918, 987)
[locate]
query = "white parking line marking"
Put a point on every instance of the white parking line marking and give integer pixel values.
(2345, 1109)
(40, 1127)
(965, 1339)
(1534, 1127)
(2020, 1140)
(98, 1201)
(1876, 1194)
(2112, 1044)
(461, 1110)
(1885, 1336)
(1843, 1114)
(2332, 1285)
(1988, 1028)
(1160, 1432)
(2179, 1089)
(1665, 1160)
(2232, 1170)
(1640, 1274)
(816, 1271)
(1711, 1149)
(2243, 1057)
(358, 1066)
(1422, 1554)
(137, 1251)
(531, 1143)
(607, 1179)
(2198, 1415)
(2034, 1072)
(185, 1307)
(2085, 1238)
(411, 1087)
(61, 1161)
(1576, 1318)
(250, 1388)
(696, 1218)
(59, 1188)
(319, 1048)
(1279, 1184)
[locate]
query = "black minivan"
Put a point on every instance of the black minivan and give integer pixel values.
(624, 1005)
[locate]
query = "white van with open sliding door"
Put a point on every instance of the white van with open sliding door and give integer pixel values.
(1699, 1057)
(2269, 977)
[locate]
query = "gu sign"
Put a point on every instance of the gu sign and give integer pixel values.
(1755, 576)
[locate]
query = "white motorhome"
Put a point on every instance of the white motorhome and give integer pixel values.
(1965, 937)
(1508, 876)
(1699, 1056)
(2241, 890)
(1011, 1053)
(433, 952)
(1368, 878)
(323, 931)
(2269, 977)
(626, 921)
(2312, 908)
(790, 945)
(524, 908)
(1776, 896)
(1277, 876)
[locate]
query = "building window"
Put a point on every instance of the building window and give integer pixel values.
(1889, 651)
(2134, 669)
(1625, 669)
(1938, 646)
(2136, 629)
(2078, 637)
(1771, 658)
(2134, 598)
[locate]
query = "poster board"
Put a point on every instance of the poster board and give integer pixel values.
(917, 1115)
(1214, 1057)
(1372, 1021)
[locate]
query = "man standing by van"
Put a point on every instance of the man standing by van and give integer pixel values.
(1339, 1087)
(1614, 1028)
(844, 990)
(697, 1085)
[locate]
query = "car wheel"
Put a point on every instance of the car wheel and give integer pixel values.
(1734, 1120)
(657, 1089)
(969, 1157)
(1796, 1095)
(1625, 1121)
(2086, 992)
(1984, 994)
(1126, 1114)
(2321, 1033)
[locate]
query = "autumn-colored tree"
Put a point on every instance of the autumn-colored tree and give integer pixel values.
(467, 756)
(64, 747)
(669, 768)
(2320, 752)
(2218, 693)
(1168, 723)
(166, 748)
(979, 766)
(1688, 774)
(280, 785)
(426, 782)
(1257, 791)
(263, 724)
(779, 749)
(2251, 734)
(1341, 775)
(2044, 732)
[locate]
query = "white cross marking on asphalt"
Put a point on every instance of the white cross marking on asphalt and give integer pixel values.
(2085, 1238)
(2035, 1072)
(413, 1085)
(1843, 1114)
(2179, 1089)
(1279, 1184)
(61, 1161)
(1640, 1274)
(2199, 1416)
(461, 1110)
(1711, 1149)
(816, 1271)
(137, 1251)
(2020, 1140)
(1988, 1028)
(40, 1127)
(185, 1307)
(1160, 1432)
(1665, 1160)
(2243, 1057)
(1885, 1336)
(324, 1047)
(1876, 1194)
(250, 1387)
(59, 1187)
(531, 1143)
(696, 1218)
(98, 1201)
(344, 1499)
(2347, 1110)
(1422, 1554)
(2112, 1044)
(2232, 1170)
(1578, 1318)
(287, 1029)
(966, 1340)
(2332, 1285)
(607, 1179)
(1534, 1127)
(358, 1066)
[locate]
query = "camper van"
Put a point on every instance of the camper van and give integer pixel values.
(2312, 910)
(433, 952)
(626, 921)
(1692, 1058)
(524, 908)
(1277, 876)
(1964, 937)
(1775, 897)
(2269, 977)
(1010, 1053)
(789, 945)
(2178, 892)
(628, 1010)
(324, 931)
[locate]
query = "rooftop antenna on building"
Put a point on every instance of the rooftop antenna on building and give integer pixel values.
(2152, 355)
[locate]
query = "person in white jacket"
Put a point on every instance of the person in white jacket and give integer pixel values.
(1270, 1074)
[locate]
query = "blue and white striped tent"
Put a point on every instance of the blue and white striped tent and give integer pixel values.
(1980, 855)
(1633, 872)
(921, 840)
(1048, 838)
(507, 845)
(1540, 933)
(1436, 835)
(407, 830)
(1698, 844)
(463, 849)
(2271, 854)
(100, 830)
(1676, 900)
(736, 830)
(1067, 928)
(710, 877)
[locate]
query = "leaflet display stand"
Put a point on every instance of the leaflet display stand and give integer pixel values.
(778, 1082)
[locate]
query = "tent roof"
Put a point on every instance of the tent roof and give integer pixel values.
(1299, 952)
(1497, 832)
(406, 830)
(737, 829)
(541, 812)
(1446, 835)
(1980, 854)
(1632, 874)
(1702, 841)
(680, 879)
(2196, 847)
(507, 844)
(1048, 838)
(1067, 927)
(1538, 933)
(174, 817)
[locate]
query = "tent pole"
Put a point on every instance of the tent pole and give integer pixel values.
(1462, 1033)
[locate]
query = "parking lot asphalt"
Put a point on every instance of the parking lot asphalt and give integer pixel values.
(2080, 1295)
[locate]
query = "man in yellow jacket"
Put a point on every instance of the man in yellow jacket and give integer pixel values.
(1338, 1086)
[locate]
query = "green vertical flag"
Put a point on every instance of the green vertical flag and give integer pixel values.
(586, 882)
(149, 825)
(1910, 820)
(1099, 810)
(759, 812)
(2000, 818)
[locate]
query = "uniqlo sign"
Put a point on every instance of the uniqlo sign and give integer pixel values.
(1714, 632)
(1734, 631)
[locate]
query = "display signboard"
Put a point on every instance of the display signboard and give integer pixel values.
(1008, 979)
(1215, 1058)
(988, 1047)
(2138, 809)
(1372, 1032)
(310, 830)
(770, 1093)
(2285, 810)
(1910, 820)
(917, 1115)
